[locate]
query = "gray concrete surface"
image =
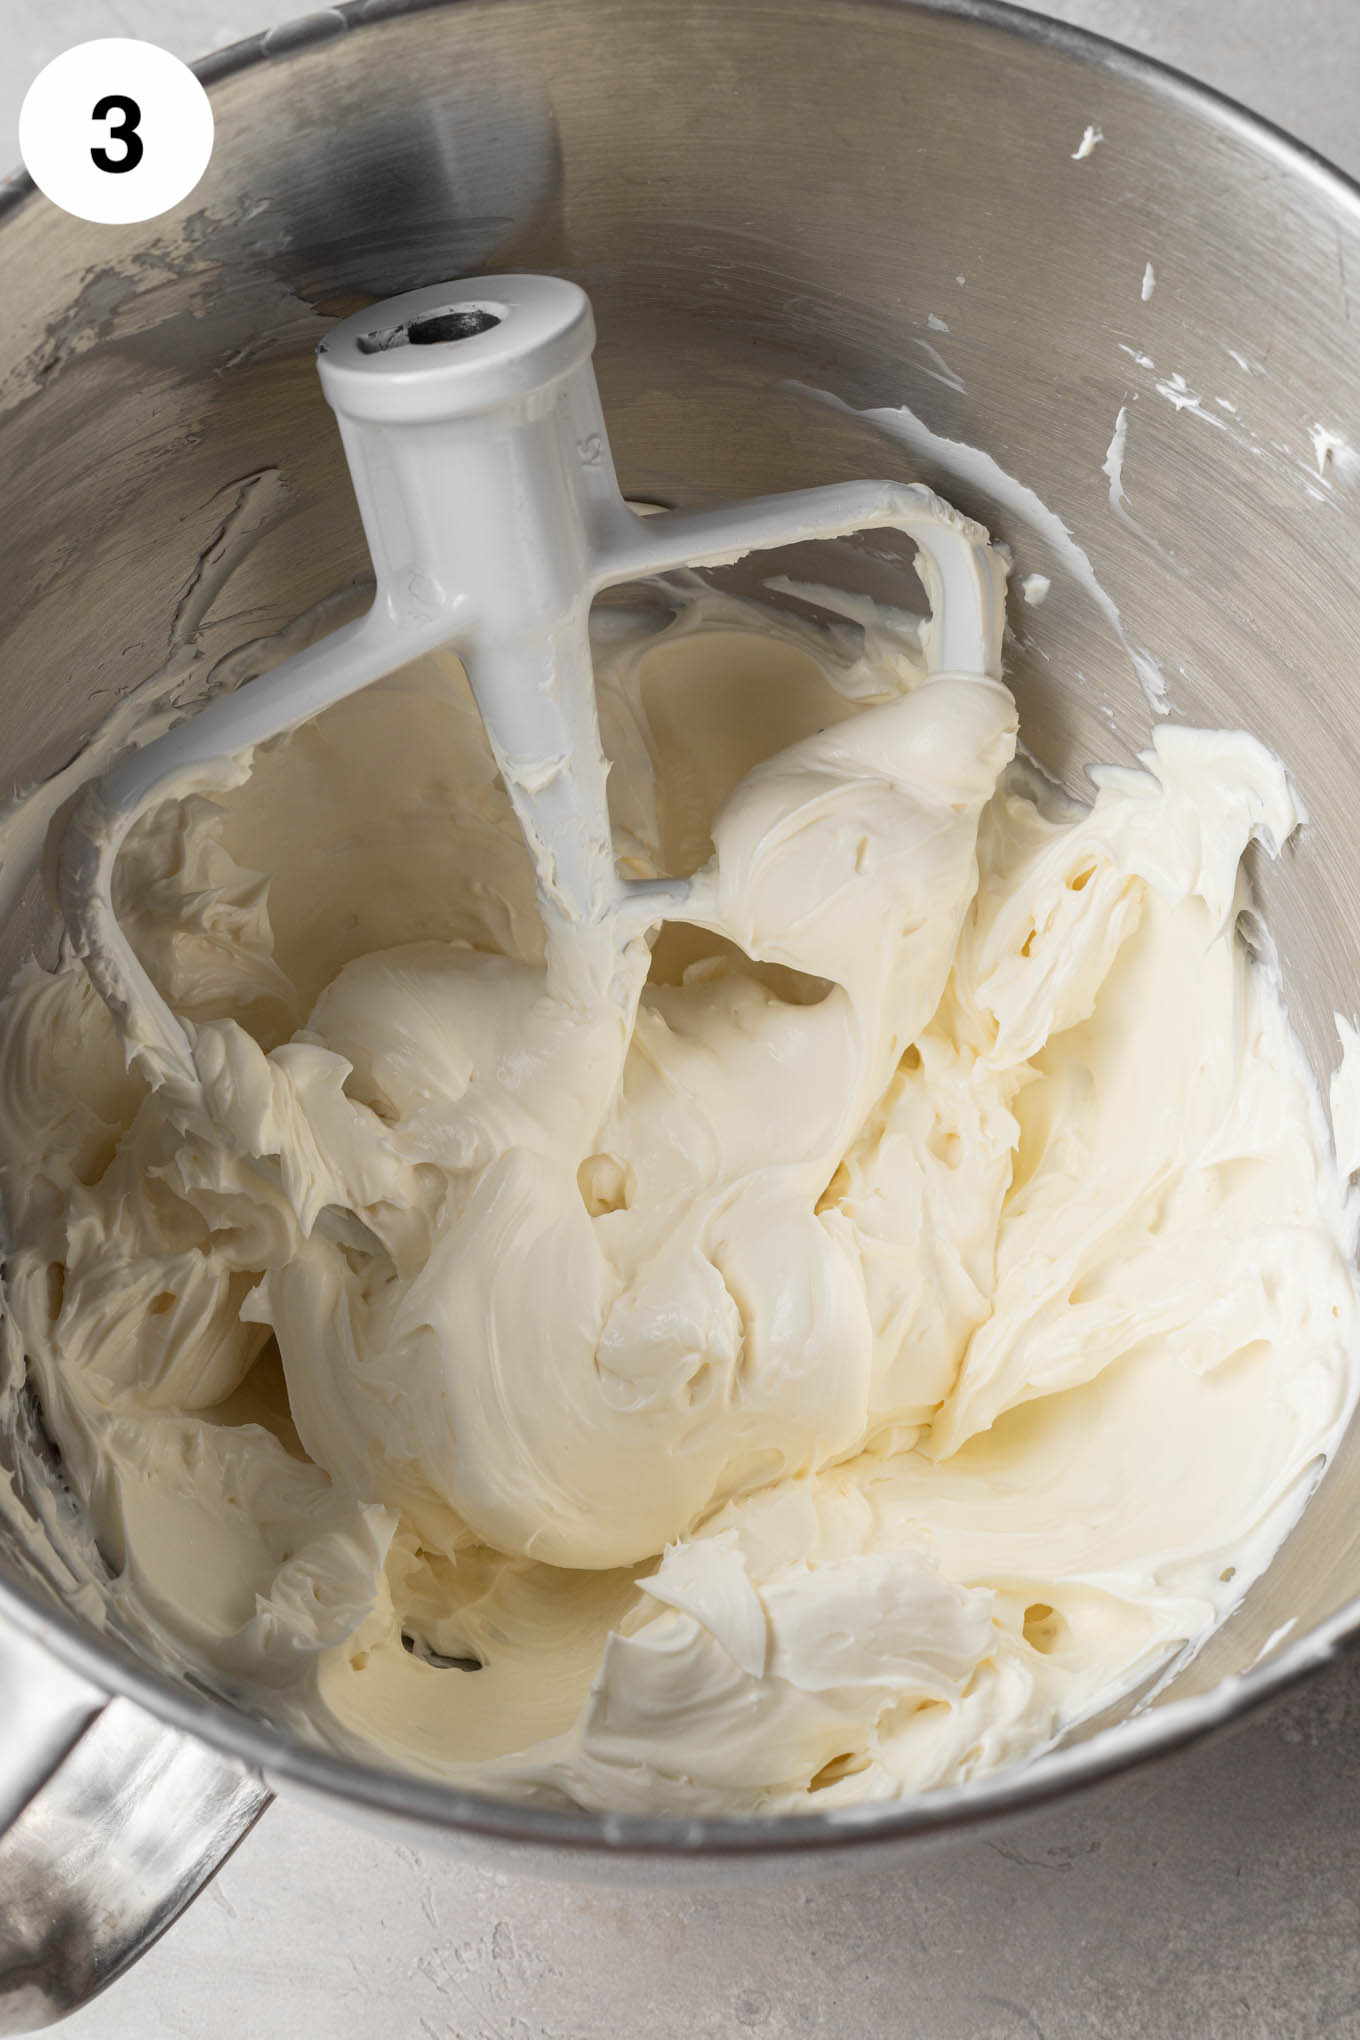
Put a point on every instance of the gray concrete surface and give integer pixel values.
(1215, 1898)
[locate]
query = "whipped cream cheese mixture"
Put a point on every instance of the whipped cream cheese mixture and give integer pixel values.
(898, 1318)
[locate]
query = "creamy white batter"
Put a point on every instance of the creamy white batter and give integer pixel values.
(908, 1313)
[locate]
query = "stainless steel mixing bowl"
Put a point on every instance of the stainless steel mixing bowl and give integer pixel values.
(884, 202)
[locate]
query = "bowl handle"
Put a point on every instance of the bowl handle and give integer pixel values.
(109, 1824)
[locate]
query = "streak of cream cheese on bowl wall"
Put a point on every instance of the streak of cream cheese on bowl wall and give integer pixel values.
(907, 1327)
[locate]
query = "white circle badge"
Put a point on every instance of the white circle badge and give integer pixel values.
(116, 131)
